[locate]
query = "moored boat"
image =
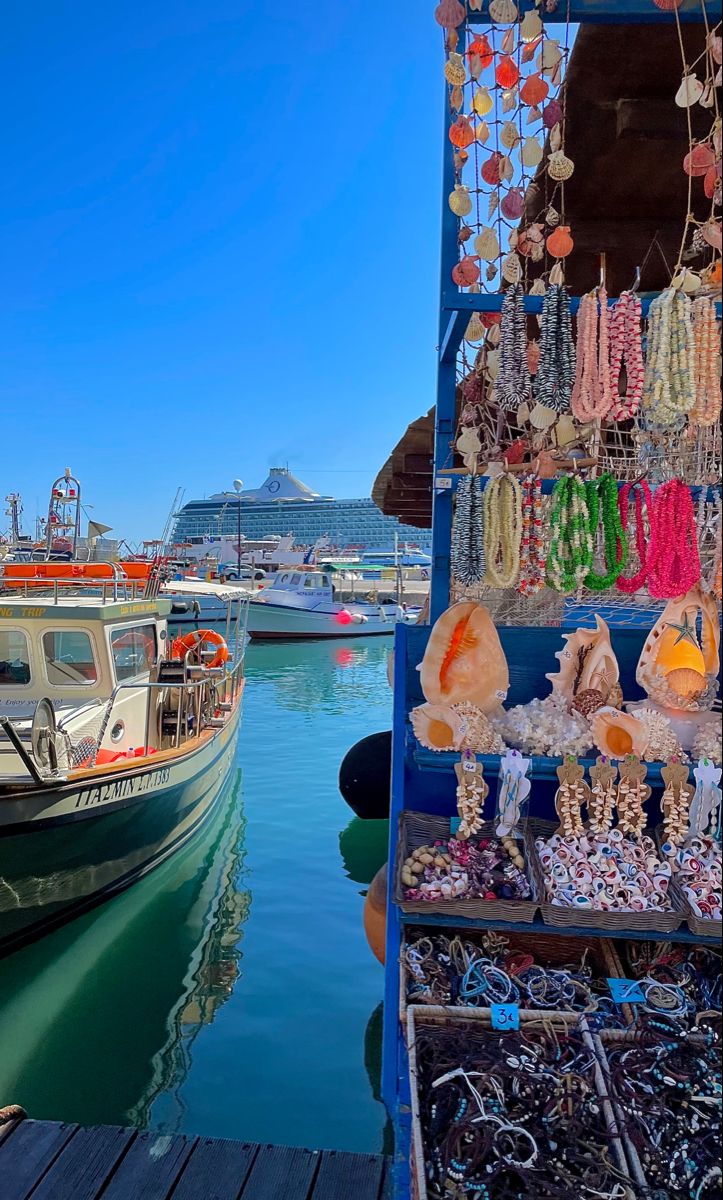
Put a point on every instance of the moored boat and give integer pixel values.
(301, 604)
(114, 745)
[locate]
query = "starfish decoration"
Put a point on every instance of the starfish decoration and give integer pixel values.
(686, 631)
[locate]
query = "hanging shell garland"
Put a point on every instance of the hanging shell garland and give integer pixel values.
(466, 271)
(513, 205)
(449, 14)
(559, 167)
(534, 90)
(531, 28)
(512, 269)
(531, 153)
(482, 102)
(454, 70)
(549, 57)
(482, 132)
(510, 136)
(486, 245)
(559, 243)
(689, 92)
(504, 12)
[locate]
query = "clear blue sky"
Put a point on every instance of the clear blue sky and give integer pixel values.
(220, 233)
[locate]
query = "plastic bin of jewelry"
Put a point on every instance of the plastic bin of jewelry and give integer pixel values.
(664, 1082)
(481, 877)
(542, 971)
(604, 881)
(681, 980)
(696, 867)
(510, 1114)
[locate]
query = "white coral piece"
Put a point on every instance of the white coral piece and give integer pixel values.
(709, 742)
(663, 744)
(544, 728)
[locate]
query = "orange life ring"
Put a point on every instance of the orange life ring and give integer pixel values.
(195, 639)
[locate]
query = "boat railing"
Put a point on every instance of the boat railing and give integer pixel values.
(119, 587)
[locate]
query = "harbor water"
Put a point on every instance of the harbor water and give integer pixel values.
(231, 992)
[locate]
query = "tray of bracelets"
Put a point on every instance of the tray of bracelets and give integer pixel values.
(453, 969)
(696, 854)
(651, 920)
(471, 862)
(664, 1083)
(501, 1115)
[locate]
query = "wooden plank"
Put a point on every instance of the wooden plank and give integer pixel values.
(216, 1170)
(27, 1155)
(348, 1177)
(151, 1167)
(85, 1164)
(281, 1172)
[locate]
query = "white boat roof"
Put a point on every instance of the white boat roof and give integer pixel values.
(87, 607)
(202, 587)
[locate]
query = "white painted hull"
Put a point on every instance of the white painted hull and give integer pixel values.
(267, 620)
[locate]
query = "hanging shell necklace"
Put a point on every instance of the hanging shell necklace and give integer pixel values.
(669, 389)
(707, 408)
(571, 547)
(602, 503)
(626, 348)
(514, 384)
(592, 395)
(502, 531)
(467, 560)
(673, 557)
(643, 509)
(532, 550)
(556, 369)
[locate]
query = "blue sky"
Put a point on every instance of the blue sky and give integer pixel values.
(219, 241)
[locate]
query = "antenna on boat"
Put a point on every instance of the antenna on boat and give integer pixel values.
(62, 528)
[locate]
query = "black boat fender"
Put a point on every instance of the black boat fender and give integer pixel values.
(365, 776)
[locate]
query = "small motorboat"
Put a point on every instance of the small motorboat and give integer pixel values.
(115, 741)
(302, 604)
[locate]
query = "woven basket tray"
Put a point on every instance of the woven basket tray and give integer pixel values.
(421, 829)
(701, 926)
(564, 916)
(480, 1018)
(549, 949)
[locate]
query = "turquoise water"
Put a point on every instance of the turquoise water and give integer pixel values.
(232, 992)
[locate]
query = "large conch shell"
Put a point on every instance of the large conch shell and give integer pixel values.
(587, 663)
(678, 669)
(464, 660)
(618, 734)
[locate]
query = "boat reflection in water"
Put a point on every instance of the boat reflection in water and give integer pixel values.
(115, 1000)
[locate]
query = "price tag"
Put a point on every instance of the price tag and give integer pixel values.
(470, 767)
(626, 991)
(454, 825)
(505, 1016)
(443, 483)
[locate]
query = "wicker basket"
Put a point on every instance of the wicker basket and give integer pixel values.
(563, 916)
(480, 1018)
(616, 1037)
(550, 949)
(701, 926)
(421, 829)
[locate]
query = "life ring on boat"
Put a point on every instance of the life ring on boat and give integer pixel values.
(195, 639)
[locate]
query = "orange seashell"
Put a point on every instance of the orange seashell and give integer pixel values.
(480, 48)
(461, 132)
(559, 243)
(507, 72)
(464, 660)
(466, 271)
(490, 319)
(534, 90)
(700, 159)
(711, 182)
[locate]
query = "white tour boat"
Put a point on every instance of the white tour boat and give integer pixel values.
(115, 741)
(301, 604)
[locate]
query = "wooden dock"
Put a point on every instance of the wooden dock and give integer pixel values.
(46, 1160)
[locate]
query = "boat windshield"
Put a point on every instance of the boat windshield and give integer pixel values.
(134, 650)
(69, 657)
(14, 658)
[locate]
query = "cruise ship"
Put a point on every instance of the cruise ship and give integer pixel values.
(284, 505)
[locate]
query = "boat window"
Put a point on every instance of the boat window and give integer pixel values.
(311, 581)
(295, 580)
(325, 581)
(14, 658)
(283, 579)
(69, 659)
(133, 650)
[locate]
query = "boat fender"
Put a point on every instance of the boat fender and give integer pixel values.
(375, 914)
(178, 607)
(194, 641)
(358, 618)
(365, 776)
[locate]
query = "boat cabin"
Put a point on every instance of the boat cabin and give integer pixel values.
(299, 589)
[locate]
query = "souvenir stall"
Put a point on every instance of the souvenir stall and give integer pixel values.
(553, 972)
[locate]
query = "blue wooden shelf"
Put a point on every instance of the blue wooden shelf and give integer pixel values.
(542, 768)
(539, 926)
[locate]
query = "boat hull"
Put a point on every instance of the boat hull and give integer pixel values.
(66, 849)
(279, 621)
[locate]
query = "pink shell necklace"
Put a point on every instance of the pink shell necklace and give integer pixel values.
(591, 393)
(626, 347)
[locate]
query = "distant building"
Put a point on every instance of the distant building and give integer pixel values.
(283, 505)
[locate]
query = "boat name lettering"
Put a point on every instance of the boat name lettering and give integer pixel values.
(23, 612)
(130, 609)
(120, 789)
